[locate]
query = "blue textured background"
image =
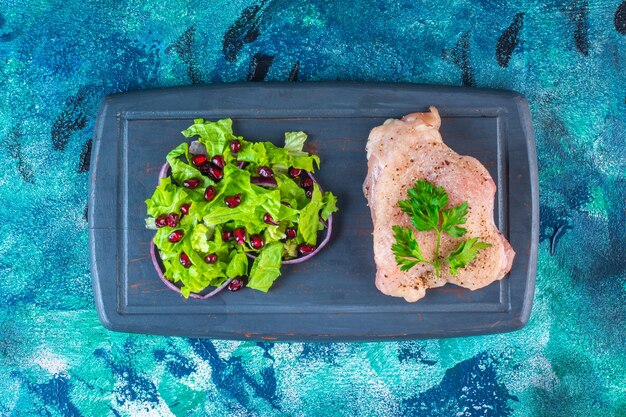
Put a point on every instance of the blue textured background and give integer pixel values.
(58, 59)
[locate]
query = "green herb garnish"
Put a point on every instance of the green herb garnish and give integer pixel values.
(426, 207)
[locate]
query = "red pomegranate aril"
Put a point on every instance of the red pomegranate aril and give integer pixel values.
(237, 283)
(172, 219)
(218, 160)
(291, 233)
(185, 208)
(265, 172)
(305, 249)
(161, 221)
(307, 183)
(256, 241)
(215, 172)
(235, 146)
(184, 260)
(210, 193)
(308, 192)
(240, 235)
(242, 164)
(227, 235)
(198, 159)
(294, 172)
(191, 183)
(175, 236)
(211, 258)
(267, 218)
(286, 204)
(205, 168)
(232, 201)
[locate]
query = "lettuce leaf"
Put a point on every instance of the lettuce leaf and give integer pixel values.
(290, 249)
(309, 221)
(215, 136)
(266, 267)
(195, 278)
(254, 153)
(167, 198)
(282, 158)
(277, 157)
(237, 181)
(329, 202)
(275, 233)
(291, 192)
(200, 238)
(182, 171)
(294, 141)
(308, 163)
(238, 265)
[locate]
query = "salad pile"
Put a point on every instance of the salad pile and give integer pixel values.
(227, 212)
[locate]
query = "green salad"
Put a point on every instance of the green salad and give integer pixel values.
(234, 210)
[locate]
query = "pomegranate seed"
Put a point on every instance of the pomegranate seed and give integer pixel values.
(291, 233)
(161, 221)
(172, 219)
(265, 172)
(211, 258)
(286, 204)
(218, 160)
(184, 260)
(267, 218)
(210, 193)
(235, 146)
(307, 183)
(227, 235)
(308, 193)
(294, 172)
(185, 208)
(175, 236)
(240, 235)
(232, 201)
(215, 173)
(256, 241)
(198, 159)
(191, 183)
(305, 249)
(242, 164)
(237, 283)
(205, 168)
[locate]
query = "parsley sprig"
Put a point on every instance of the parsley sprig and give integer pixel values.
(426, 206)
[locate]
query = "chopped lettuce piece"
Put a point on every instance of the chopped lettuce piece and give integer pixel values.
(309, 221)
(266, 267)
(167, 198)
(238, 265)
(329, 202)
(182, 171)
(294, 141)
(215, 136)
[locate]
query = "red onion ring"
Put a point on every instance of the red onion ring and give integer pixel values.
(163, 171)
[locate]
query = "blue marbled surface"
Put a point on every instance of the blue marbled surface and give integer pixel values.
(58, 59)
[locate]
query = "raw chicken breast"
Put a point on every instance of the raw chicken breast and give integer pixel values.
(399, 153)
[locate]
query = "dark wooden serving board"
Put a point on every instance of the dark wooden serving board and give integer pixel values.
(331, 297)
